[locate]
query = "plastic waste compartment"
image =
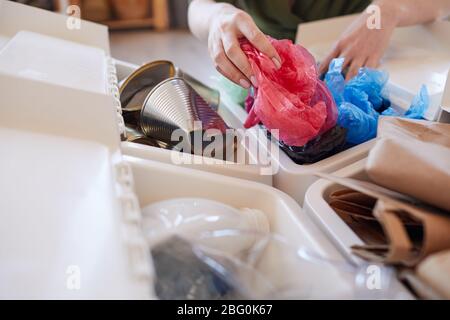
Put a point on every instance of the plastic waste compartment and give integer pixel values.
(410, 64)
(285, 216)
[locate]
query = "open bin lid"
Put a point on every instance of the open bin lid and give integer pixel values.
(66, 73)
(62, 136)
(15, 17)
(417, 55)
(64, 247)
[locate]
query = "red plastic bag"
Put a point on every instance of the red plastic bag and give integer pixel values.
(291, 99)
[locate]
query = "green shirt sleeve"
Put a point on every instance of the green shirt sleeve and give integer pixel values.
(280, 18)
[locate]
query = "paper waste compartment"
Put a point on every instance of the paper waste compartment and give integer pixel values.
(410, 64)
(248, 165)
(317, 207)
(156, 181)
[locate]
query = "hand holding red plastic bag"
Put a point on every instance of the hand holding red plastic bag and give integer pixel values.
(291, 99)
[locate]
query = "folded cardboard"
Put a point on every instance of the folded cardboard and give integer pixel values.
(388, 211)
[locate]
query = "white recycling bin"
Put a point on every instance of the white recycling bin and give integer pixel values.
(317, 207)
(71, 218)
(248, 166)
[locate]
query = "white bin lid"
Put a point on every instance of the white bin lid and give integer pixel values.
(61, 221)
(417, 55)
(36, 56)
(15, 17)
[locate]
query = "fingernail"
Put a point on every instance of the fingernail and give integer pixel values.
(254, 81)
(244, 83)
(277, 63)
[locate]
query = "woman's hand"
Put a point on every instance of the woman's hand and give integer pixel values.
(361, 46)
(226, 27)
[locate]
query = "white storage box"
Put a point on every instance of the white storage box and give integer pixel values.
(64, 159)
(410, 63)
(294, 179)
(156, 182)
(246, 168)
(317, 207)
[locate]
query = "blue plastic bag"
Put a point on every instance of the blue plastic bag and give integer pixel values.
(360, 125)
(417, 109)
(357, 100)
(361, 100)
(335, 80)
(419, 105)
(371, 82)
(365, 90)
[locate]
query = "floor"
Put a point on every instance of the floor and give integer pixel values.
(178, 46)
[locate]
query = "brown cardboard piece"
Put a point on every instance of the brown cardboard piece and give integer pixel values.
(413, 157)
(392, 210)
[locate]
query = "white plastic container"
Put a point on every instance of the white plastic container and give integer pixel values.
(410, 64)
(317, 207)
(294, 179)
(157, 181)
(246, 168)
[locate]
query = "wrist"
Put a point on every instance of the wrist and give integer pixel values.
(219, 9)
(390, 13)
